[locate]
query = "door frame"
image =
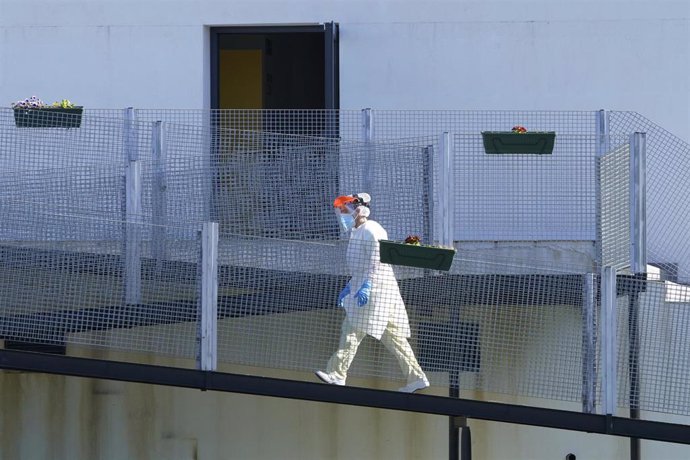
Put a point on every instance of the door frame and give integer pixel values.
(331, 54)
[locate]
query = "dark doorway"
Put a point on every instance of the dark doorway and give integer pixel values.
(275, 67)
(281, 84)
(267, 68)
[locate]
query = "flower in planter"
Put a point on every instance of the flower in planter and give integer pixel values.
(414, 240)
(519, 129)
(35, 103)
(34, 113)
(64, 104)
(29, 103)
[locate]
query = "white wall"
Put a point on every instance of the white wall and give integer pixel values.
(553, 55)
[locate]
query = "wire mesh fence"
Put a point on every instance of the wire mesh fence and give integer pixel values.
(614, 219)
(59, 290)
(84, 210)
(668, 209)
(653, 363)
(525, 197)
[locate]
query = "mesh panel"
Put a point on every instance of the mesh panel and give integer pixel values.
(509, 315)
(668, 210)
(615, 207)
(62, 286)
(653, 359)
(525, 196)
(392, 124)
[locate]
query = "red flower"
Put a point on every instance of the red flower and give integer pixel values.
(519, 129)
(413, 239)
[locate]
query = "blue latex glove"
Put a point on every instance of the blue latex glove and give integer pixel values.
(344, 293)
(363, 293)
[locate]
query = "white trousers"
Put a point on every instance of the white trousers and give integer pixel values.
(396, 343)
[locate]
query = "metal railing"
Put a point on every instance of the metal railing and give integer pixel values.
(101, 232)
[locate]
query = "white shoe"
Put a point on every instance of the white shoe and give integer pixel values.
(328, 378)
(416, 385)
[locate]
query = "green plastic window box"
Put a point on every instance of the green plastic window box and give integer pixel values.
(48, 117)
(411, 255)
(537, 142)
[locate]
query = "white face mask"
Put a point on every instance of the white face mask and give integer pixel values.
(348, 213)
(347, 221)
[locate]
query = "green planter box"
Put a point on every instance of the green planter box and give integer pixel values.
(508, 142)
(48, 117)
(416, 256)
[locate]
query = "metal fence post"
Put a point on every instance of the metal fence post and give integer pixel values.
(602, 129)
(608, 340)
(588, 344)
(207, 358)
(132, 230)
(638, 203)
(445, 192)
(367, 125)
(210, 163)
(130, 144)
(602, 146)
(158, 192)
(638, 265)
(367, 138)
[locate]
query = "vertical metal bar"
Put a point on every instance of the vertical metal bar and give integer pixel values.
(453, 437)
(368, 166)
(445, 192)
(215, 160)
(207, 358)
(367, 125)
(608, 340)
(210, 164)
(466, 443)
(130, 144)
(634, 361)
(454, 392)
(638, 265)
(602, 133)
(158, 193)
(602, 146)
(588, 345)
(459, 431)
(133, 233)
(638, 203)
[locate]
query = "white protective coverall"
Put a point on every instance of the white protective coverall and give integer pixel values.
(385, 303)
(383, 316)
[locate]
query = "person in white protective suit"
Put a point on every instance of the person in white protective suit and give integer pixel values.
(371, 299)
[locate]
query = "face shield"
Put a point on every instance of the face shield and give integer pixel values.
(344, 208)
(348, 207)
